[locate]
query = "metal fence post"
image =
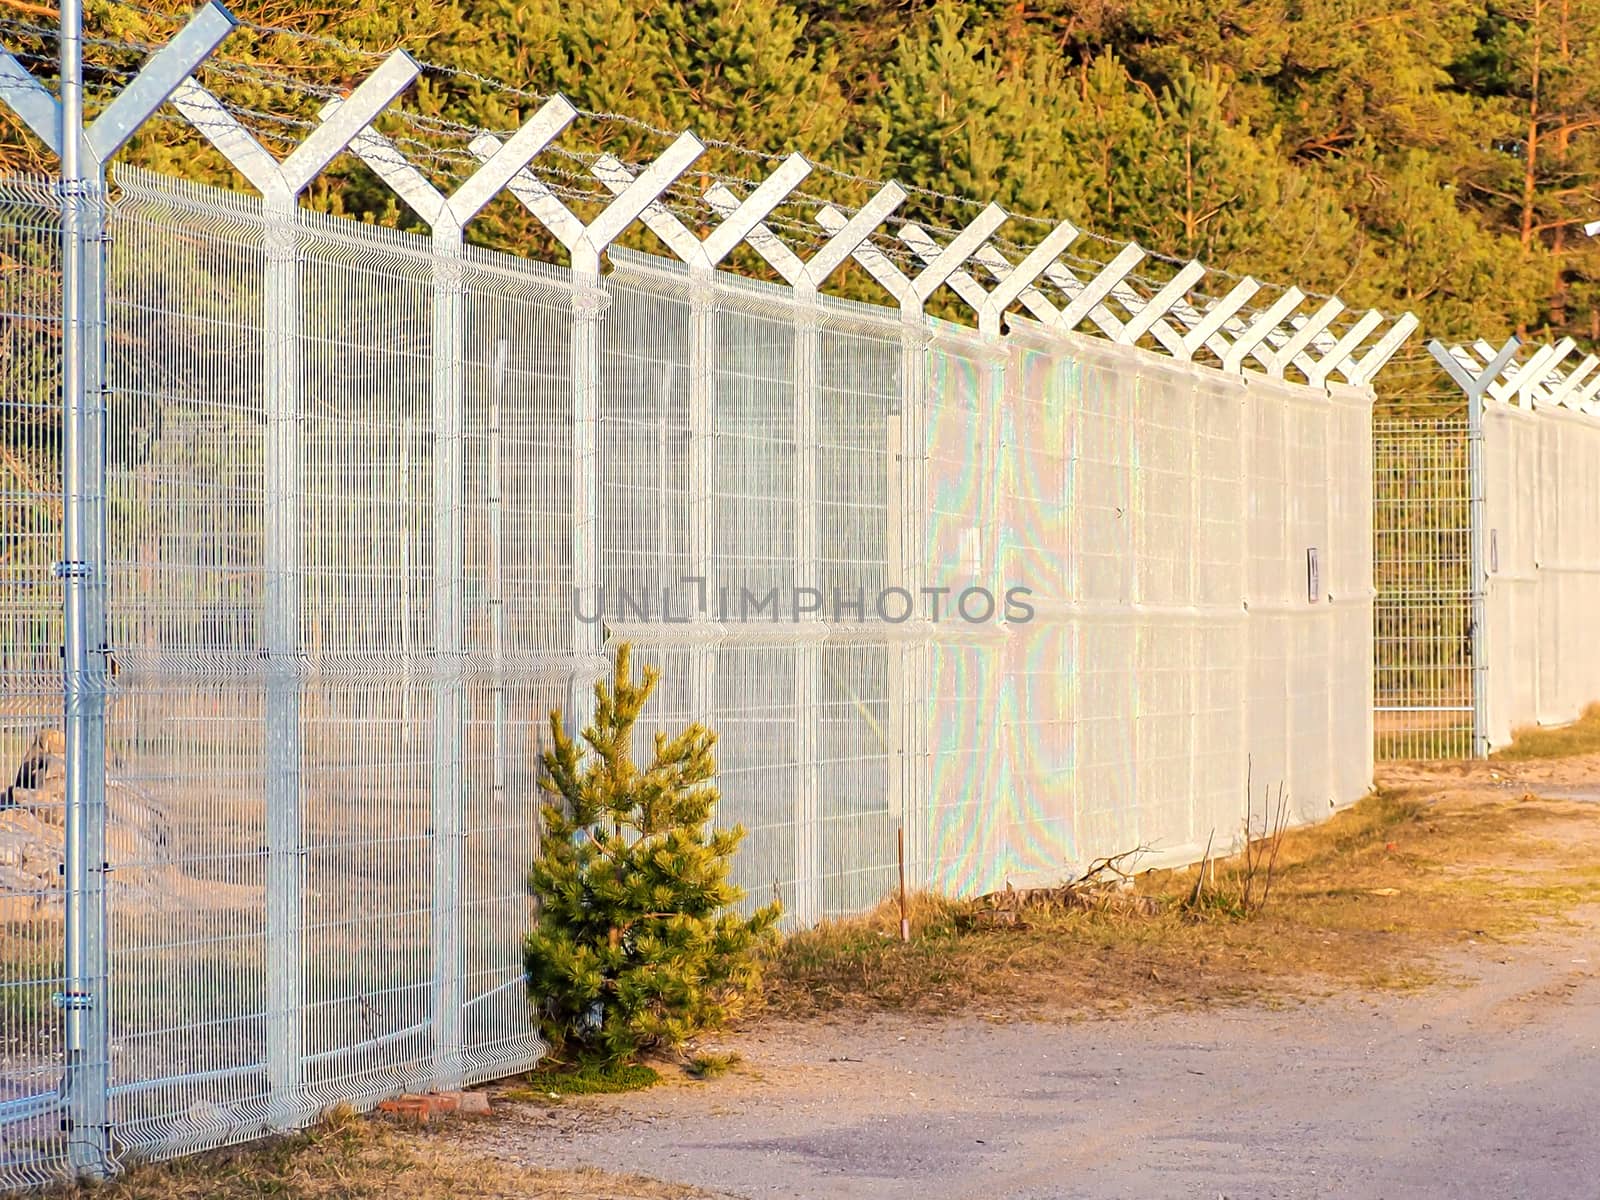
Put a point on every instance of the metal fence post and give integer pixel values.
(903, 552)
(1478, 565)
(280, 185)
(281, 641)
(83, 682)
(447, 218)
(807, 657)
(448, 787)
(1474, 387)
(588, 640)
(703, 474)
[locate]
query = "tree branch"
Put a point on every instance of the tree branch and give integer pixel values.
(33, 10)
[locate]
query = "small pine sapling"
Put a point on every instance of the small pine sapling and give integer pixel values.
(636, 943)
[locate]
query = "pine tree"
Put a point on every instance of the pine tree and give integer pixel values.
(1439, 155)
(1537, 63)
(636, 944)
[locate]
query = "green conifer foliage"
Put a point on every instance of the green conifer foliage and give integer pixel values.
(636, 943)
(1441, 155)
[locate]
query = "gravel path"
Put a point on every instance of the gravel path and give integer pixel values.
(1485, 1090)
(1486, 1087)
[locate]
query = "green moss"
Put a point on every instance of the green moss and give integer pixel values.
(585, 1079)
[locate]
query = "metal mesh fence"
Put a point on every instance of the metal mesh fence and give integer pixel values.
(1542, 529)
(1422, 637)
(31, 899)
(364, 941)
(1031, 600)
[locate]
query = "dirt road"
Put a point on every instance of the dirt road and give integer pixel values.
(1487, 1086)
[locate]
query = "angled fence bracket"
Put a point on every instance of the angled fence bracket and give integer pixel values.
(1360, 372)
(1338, 355)
(447, 217)
(1475, 384)
(1253, 333)
(585, 243)
(280, 184)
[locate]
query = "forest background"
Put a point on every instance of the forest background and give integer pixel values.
(1439, 156)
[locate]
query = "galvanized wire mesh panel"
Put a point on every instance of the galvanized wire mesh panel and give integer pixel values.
(1542, 527)
(1164, 519)
(1422, 638)
(761, 528)
(31, 810)
(957, 835)
(198, 909)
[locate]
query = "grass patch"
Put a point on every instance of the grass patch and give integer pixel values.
(1366, 898)
(350, 1158)
(584, 1079)
(710, 1066)
(1560, 741)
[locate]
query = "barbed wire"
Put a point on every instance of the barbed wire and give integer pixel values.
(687, 203)
(503, 88)
(695, 202)
(582, 185)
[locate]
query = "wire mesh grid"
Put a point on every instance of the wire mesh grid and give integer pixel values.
(1542, 524)
(377, 992)
(346, 484)
(1422, 636)
(31, 803)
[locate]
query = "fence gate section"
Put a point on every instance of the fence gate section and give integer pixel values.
(1422, 613)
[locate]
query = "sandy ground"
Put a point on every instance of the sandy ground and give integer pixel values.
(1488, 1086)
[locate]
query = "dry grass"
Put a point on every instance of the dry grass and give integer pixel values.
(350, 1158)
(1367, 899)
(1560, 741)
